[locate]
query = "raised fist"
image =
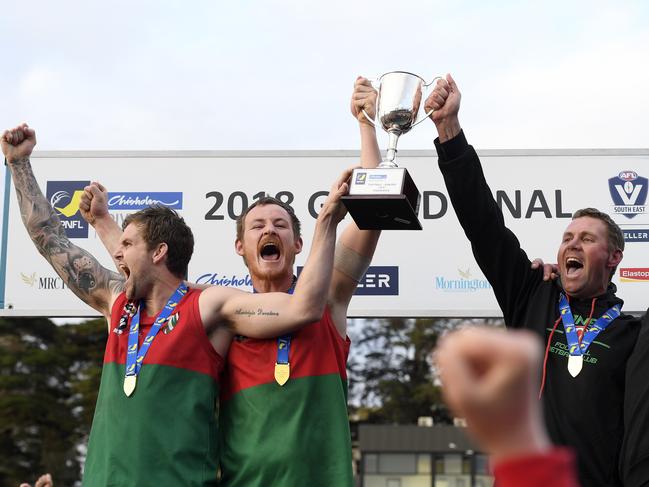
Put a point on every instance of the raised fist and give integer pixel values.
(18, 143)
(94, 202)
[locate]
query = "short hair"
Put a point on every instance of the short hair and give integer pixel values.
(269, 200)
(615, 235)
(160, 224)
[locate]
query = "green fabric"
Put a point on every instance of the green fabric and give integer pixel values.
(291, 436)
(163, 435)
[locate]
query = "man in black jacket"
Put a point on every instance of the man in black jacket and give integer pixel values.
(634, 456)
(588, 340)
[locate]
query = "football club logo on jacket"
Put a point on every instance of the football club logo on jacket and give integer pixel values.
(629, 193)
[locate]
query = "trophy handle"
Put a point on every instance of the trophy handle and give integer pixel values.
(374, 82)
(368, 117)
(426, 85)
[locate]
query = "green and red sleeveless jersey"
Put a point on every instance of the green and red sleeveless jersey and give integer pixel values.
(293, 435)
(165, 434)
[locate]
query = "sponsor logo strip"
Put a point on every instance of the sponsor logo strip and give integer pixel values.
(634, 274)
(636, 235)
(141, 200)
(377, 281)
(629, 193)
(64, 196)
(463, 283)
(231, 280)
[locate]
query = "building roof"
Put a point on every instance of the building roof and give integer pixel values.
(412, 438)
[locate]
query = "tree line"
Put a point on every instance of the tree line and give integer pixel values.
(49, 380)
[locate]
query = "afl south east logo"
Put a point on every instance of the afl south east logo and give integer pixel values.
(65, 196)
(629, 193)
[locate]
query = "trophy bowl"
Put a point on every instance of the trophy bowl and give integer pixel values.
(386, 197)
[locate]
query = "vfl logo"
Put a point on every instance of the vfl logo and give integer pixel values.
(65, 196)
(361, 177)
(629, 193)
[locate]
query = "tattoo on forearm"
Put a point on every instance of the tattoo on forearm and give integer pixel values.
(82, 273)
(258, 312)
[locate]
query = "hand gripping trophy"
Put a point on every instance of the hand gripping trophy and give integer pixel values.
(386, 197)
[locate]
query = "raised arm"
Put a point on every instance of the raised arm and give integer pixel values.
(80, 271)
(355, 247)
(495, 248)
(267, 315)
(94, 209)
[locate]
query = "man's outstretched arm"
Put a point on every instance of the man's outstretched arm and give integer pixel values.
(80, 271)
(355, 247)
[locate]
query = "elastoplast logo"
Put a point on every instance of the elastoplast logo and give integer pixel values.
(230, 280)
(361, 177)
(629, 193)
(636, 235)
(463, 283)
(634, 274)
(377, 281)
(64, 196)
(141, 200)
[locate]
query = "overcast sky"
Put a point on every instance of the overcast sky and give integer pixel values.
(278, 74)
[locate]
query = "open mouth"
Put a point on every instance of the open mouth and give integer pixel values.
(270, 251)
(573, 265)
(125, 270)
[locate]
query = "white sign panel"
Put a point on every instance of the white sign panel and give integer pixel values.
(414, 273)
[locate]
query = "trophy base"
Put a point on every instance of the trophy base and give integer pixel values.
(383, 199)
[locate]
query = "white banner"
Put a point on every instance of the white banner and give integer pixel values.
(414, 273)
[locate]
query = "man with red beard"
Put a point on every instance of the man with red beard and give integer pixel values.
(283, 410)
(154, 422)
(588, 339)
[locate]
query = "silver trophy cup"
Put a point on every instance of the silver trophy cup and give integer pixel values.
(386, 197)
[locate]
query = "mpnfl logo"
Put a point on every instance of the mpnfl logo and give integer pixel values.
(629, 193)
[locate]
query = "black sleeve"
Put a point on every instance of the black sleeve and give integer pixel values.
(634, 454)
(495, 248)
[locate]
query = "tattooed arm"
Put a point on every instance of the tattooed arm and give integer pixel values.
(81, 272)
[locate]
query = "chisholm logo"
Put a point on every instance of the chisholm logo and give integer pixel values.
(141, 200)
(464, 284)
(232, 280)
(634, 274)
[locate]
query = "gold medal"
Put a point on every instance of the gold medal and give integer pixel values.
(575, 363)
(282, 373)
(129, 384)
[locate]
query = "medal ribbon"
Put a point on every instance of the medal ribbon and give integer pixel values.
(134, 358)
(284, 342)
(590, 330)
